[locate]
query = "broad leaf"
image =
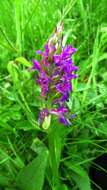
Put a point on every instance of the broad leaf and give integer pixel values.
(23, 61)
(32, 176)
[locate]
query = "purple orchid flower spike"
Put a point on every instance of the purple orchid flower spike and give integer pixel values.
(56, 71)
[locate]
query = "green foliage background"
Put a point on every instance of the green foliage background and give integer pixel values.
(32, 158)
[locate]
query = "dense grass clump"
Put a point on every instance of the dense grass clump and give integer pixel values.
(33, 158)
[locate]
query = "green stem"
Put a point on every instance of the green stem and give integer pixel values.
(53, 160)
(18, 24)
(8, 41)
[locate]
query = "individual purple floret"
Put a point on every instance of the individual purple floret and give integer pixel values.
(36, 65)
(55, 72)
(43, 113)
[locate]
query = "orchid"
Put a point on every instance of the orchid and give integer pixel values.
(55, 72)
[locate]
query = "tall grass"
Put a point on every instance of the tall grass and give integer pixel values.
(26, 161)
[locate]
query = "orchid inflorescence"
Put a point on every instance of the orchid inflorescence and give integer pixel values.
(55, 72)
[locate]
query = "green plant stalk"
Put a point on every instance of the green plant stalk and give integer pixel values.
(92, 76)
(83, 13)
(53, 160)
(11, 46)
(18, 24)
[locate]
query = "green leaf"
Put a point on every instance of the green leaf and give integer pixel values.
(80, 176)
(103, 128)
(38, 146)
(61, 186)
(32, 176)
(24, 125)
(12, 69)
(23, 61)
(4, 181)
(103, 56)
